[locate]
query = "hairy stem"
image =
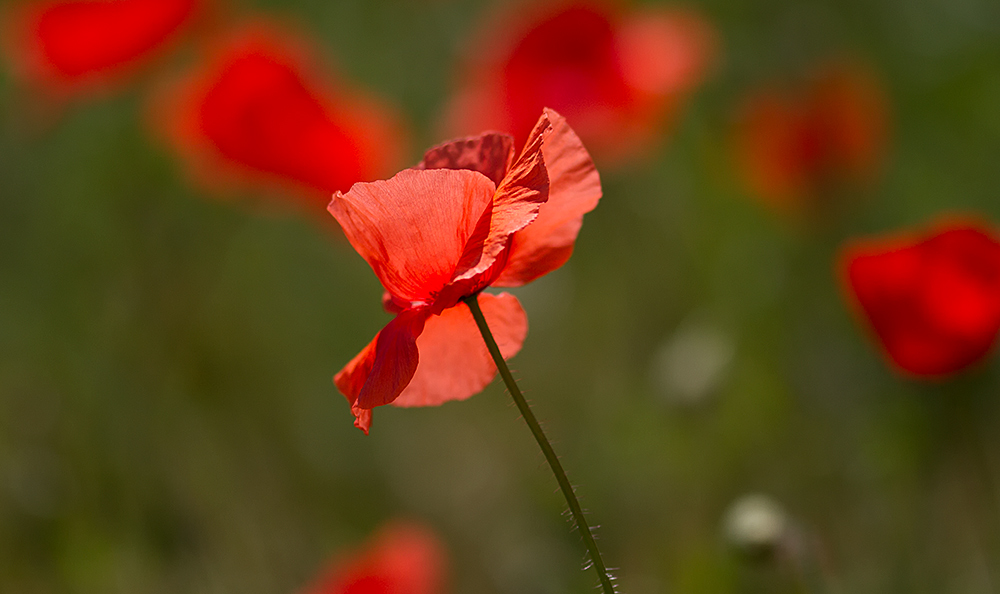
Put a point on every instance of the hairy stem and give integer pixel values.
(543, 442)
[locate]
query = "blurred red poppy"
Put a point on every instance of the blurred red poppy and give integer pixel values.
(795, 146)
(404, 558)
(933, 300)
(468, 216)
(72, 45)
(258, 110)
(617, 78)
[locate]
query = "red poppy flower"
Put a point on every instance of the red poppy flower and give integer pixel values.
(933, 300)
(257, 110)
(795, 145)
(76, 43)
(616, 78)
(468, 216)
(403, 558)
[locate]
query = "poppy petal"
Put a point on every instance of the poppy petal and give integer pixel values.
(405, 558)
(413, 229)
(490, 154)
(567, 60)
(779, 153)
(382, 369)
(933, 302)
(454, 363)
(619, 78)
(574, 189)
(794, 147)
(665, 51)
(71, 42)
(259, 110)
(515, 205)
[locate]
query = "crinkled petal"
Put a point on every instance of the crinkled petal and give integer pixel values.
(454, 363)
(574, 189)
(413, 229)
(378, 374)
(515, 205)
(490, 153)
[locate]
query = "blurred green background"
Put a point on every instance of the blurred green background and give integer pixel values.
(168, 421)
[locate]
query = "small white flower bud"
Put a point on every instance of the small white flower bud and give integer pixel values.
(755, 524)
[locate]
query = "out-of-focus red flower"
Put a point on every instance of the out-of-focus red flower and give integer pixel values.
(616, 78)
(795, 145)
(933, 300)
(470, 215)
(257, 109)
(69, 45)
(404, 558)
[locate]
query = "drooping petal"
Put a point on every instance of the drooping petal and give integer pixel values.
(574, 189)
(515, 205)
(413, 229)
(72, 42)
(257, 110)
(404, 558)
(378, 374)
(454, 363)
(933, 302)
(490, 153)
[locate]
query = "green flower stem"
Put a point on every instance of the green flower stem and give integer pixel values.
(543, 442)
